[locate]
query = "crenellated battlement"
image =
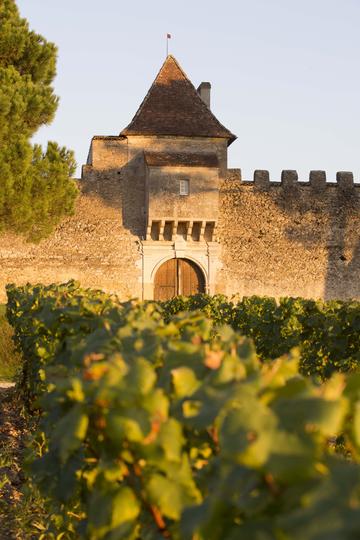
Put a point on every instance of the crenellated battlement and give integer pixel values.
(289, 178)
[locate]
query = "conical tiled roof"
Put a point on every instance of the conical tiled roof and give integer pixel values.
(173, 107)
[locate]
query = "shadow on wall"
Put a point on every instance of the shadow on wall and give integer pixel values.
(343, 269)
(122, 189)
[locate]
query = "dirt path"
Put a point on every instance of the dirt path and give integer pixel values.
(12, 435)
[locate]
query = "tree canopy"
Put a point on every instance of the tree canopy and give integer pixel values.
(36, 189)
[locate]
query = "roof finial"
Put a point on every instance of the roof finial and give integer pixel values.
(168, 36)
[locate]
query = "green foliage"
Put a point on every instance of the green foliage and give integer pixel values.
(327, 333)
(46, 320)
(10, 359)
(35, 185)
(174, 429)
(217, 307)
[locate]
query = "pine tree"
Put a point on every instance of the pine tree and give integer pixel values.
(36, 189)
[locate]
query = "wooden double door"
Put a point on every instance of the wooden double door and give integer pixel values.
(178, 276)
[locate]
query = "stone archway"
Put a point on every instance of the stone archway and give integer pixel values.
(178, 276)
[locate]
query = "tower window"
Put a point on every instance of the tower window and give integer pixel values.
(184, 187)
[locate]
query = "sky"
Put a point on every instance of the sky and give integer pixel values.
(285, 74)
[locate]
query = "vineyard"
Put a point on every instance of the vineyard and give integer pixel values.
(195, 419)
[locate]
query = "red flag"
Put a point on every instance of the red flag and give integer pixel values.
(168, 36)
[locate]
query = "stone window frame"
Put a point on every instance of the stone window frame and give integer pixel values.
(184, 187)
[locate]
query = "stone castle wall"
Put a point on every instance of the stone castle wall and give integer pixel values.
(289, 238)
(93, 246)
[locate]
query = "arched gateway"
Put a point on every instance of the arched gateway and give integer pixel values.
(178, 276)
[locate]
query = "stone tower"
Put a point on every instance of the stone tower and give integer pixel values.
(170, 160)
